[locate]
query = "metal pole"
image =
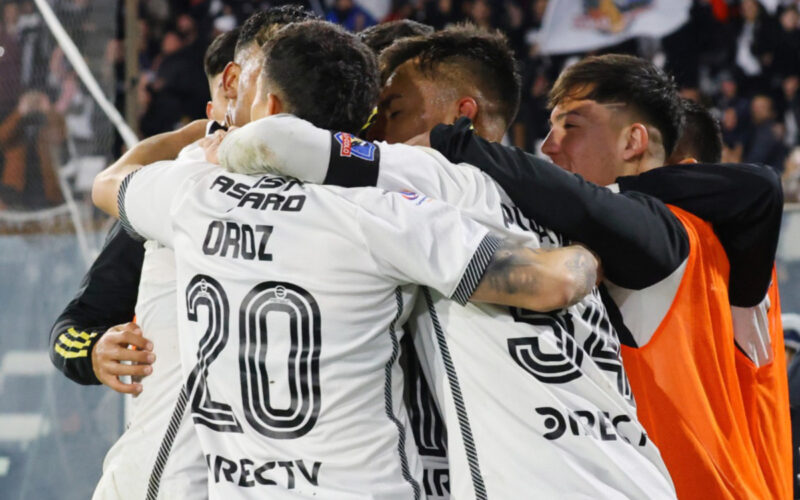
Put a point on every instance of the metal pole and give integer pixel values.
(132, 64)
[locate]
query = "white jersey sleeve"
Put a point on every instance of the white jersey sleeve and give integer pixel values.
(287, 145)
(148, 196)
(415, 239)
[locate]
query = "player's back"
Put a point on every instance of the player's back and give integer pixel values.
(533, 401)
(291, 301)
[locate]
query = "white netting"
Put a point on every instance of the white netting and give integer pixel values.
(54, 137)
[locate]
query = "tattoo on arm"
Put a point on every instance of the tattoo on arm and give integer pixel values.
(537, 279)
(505, 273)
(582, 264)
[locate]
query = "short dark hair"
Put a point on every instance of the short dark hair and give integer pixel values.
(324, 74)
(635, 82)
(220, 53)
(701, 135)
(380, 36)
(464, 53)
(262, 25)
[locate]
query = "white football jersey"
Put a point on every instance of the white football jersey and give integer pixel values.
(158, 455)
(535, 404)
(291, 299)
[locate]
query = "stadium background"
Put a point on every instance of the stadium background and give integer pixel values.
(740, 58)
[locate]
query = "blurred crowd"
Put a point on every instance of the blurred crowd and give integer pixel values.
(736, 58)
(48, 122)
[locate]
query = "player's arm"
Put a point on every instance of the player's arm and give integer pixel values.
(106, 298)
(290, 146)
(166, 146)
(428, 242)
(540, 280)
(743, 202)
(636, 237)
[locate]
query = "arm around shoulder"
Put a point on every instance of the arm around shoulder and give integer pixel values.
(540, 279)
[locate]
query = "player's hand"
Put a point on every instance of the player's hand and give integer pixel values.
(210, 145)
(423, 139)
(113, 348)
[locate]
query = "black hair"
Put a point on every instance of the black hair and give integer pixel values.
(260, 26)
(220, 53)
(464, 53)
(323, 74)
(382, 35)
(701, 136)
(635, 82)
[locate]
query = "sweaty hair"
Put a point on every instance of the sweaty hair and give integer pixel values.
(459, 54)
(701, 136)
(616, 78)
(262, 25)
(220, 53)
(382, 35)
(323, 74)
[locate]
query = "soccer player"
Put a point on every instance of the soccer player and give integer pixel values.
(218, 55)
(89, 350)
(727, 195)
(666, 270)
(318, 276)
(700, 138)
(426, 420)
(532, 401)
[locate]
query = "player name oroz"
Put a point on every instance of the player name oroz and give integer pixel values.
(240, 241)
(289, 474)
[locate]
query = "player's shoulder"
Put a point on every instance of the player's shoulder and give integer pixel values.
(374, 202)
(421, 161)
(187, 168)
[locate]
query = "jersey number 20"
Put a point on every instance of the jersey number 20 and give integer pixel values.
(303, 362)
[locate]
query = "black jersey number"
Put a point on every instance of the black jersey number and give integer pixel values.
(205, 291)
(276, 298)
(300, 308)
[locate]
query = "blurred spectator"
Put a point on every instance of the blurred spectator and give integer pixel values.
(30, 138)
(34, 46)
(729, 96)
(440, 13)
(755, 46)
(178, 92)
(9, 67)
(732, 136)
(791, 113)
(787, 50)
(350, 15)
(480, 13)
(791, 177)
(764, 140)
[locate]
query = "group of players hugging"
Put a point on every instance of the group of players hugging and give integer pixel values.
(408, 308)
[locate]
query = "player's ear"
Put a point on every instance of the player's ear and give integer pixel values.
(230, 80)
(636, 141)
(467, 106)
(274, 104)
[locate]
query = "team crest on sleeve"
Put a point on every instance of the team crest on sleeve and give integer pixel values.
(350, 145)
